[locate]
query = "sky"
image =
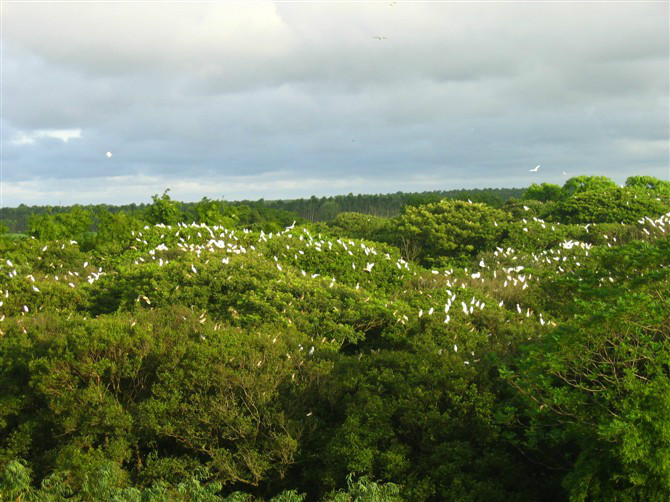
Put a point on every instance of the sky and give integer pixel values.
(248, 100)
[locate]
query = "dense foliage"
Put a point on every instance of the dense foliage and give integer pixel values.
(275, 211)
(455, 352)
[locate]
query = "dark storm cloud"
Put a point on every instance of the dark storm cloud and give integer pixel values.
(283, 100)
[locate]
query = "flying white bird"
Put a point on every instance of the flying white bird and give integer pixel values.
(109, 155)
(535, 169)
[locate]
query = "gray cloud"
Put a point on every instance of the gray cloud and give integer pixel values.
(286, 100)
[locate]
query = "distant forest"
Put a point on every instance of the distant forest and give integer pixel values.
(312, 209)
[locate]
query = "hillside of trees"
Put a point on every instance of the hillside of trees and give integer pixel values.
(474, 346)
(251, 212)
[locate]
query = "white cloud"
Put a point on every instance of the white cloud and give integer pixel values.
(23, 138)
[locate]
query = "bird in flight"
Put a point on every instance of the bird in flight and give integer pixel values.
(109, 155)
(379, 37)
(535, 169)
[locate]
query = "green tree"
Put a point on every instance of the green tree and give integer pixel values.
(544, 193)
(365, 490)
(362, 226)
(163, 210)
(72, 224)
(210, 212)
(579, 184)
(452, 231)
(116, 229)
(649, 183)
(328, 210)
(610, 205)
(598, 384)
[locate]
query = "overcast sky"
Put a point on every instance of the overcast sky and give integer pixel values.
(285, 100)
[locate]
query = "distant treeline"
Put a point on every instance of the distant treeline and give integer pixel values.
(386, 205)
(312, 209)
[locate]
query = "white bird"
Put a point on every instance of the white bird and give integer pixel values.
(535, 169)
(109, 155)
(368, 267)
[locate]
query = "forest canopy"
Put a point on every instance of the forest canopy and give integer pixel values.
(462, 346)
